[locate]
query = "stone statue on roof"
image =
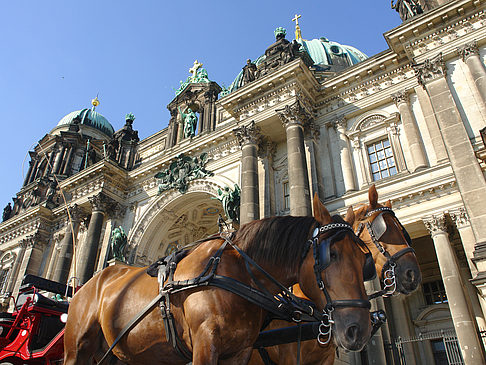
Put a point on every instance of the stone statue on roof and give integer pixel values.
(407, 8)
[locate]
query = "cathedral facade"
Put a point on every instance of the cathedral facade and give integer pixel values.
(308, 116)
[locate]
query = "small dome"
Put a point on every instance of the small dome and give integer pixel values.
(88, 117)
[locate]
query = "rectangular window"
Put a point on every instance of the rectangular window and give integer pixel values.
(434, 292)
(382, 162)
(286, 195)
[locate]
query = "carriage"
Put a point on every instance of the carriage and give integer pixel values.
(33, 333)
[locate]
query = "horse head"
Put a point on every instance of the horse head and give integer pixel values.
(389, 243)
(332, 276)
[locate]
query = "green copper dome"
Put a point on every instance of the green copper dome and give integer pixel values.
(88, 117)
(323, 52)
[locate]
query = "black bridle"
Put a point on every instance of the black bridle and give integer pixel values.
(376, 229)
(322, 260)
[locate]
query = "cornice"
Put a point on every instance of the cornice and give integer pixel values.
(426, 25)
(436, 28)
(259, 94)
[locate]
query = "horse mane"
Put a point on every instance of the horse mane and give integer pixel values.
(361, 212)
(276, 240)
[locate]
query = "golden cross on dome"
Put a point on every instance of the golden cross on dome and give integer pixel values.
(298, 34)
(296, 19)
(193, 69)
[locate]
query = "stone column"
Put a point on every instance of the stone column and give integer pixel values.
(33, 173)
(57, 163)
(29, 172)
(49, 164)
(432, 126)
(464, 323)
(400, 314)
(346, 161)
(470, 55)
(67, 164)
(293, 118)
(88, 251)
(248, 138)
(411, 131)
(396, 144)
(461, 219)
(32, 259)
(469, 176)
(15, 269)
(65, 258)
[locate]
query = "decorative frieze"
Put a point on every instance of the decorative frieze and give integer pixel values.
(446, 34)
(430, 69)
(468, 50)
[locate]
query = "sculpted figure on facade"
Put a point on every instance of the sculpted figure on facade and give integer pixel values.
(230, 199)
(118, 243)
(7, 211)
(189, 122)
(183, 170)
(249, 73)
(407, 8)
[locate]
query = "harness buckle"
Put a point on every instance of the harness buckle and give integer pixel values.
(297, 316)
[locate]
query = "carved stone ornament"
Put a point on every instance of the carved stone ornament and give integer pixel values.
(99, 202)
(340, 124)
(468, 50)
(249, 134)
(435, 224)
(430, 69)
(266, 148)
(294, 114)
(400, 97)
(183, 170)
(460, 217)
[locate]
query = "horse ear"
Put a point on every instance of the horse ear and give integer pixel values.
(373, 196)
(321, 214)
(388, 204)
(350, 217)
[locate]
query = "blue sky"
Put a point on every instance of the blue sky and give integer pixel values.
(58, 55)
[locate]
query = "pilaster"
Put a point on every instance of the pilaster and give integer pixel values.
(340, 124)
(411, 131)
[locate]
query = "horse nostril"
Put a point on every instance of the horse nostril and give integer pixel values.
(352, 333)
(410, 275)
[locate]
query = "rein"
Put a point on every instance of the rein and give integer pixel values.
(388, 270)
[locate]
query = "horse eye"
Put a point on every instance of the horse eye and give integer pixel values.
(333, 255)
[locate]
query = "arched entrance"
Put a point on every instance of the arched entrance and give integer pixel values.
(173, 221)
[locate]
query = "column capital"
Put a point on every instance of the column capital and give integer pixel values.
(340, 124)
(76, 213)
(99, 202)
(468, 50)
(248, 134)
(401, 97)
(294, 114)
(435, 224)
(431, 69)
(460, 217)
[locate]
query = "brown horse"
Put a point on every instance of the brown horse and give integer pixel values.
(215, 325)
(407, 276)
